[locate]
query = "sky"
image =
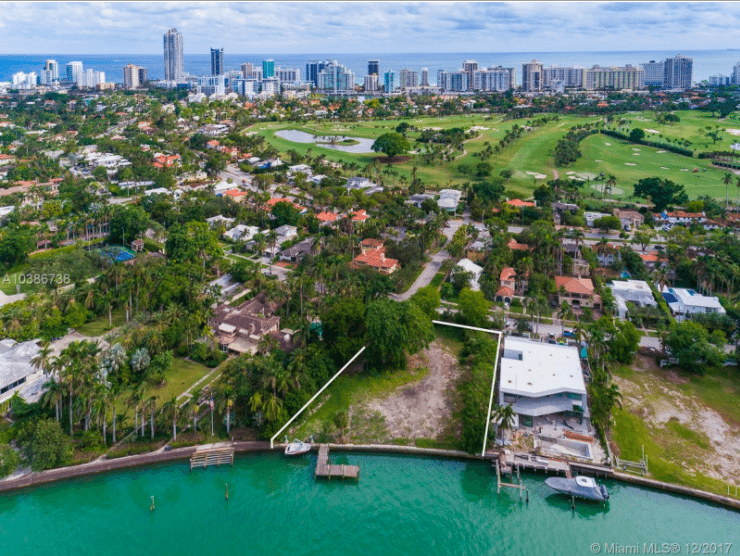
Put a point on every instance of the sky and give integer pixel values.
(357, 27)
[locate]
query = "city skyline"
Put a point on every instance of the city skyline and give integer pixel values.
(135, 28)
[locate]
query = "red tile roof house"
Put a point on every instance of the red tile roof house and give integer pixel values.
(519, 203)
(360, 216)
(236, 194)
(373, 256)
(327, 218)
(579, 292)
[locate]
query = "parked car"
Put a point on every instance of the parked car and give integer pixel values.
(569, 334)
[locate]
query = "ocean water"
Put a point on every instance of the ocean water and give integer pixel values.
(400, 506)
(706, 62)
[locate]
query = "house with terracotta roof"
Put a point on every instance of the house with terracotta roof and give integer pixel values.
(577, 292)
(516, 246)
(165, 161)
(6, 159)
(272, 202)
(518, 203)
(373, 256)
(360, 215)
(237, 195)
(327, 218)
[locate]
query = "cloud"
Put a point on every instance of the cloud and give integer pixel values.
(355, 27)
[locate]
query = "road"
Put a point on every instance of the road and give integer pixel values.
(432, 267)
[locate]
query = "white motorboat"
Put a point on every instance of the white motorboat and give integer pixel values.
(580, 487)
(297, 447)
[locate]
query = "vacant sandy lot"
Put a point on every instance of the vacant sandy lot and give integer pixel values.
(422, 409)
(657, 397)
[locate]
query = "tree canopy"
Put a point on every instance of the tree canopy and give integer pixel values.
(391, 144)
(661, 192)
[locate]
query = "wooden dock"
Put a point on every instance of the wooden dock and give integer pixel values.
(205, 456)
(509, 462)
(324, 469)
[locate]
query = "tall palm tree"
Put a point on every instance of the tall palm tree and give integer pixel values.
(173, 409)
(565, 312)
(727, 180)
(504, 416)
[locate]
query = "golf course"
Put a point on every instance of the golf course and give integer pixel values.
(530, 156)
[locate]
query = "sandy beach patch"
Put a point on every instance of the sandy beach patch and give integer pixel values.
(635, 154)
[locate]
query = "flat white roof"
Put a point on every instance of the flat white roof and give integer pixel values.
(544, 369)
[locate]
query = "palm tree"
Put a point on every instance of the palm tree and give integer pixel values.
(171, 408)
(224, 401)
(727, 180)
(272, 239)
(152, 403)
(504, 416)
(565, 312)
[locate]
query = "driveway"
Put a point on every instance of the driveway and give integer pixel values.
(432, 267)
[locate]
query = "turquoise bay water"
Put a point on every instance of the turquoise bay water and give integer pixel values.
(400, 505)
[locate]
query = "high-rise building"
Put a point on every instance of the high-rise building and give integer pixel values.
(74, 70)
(89, 79)
(217, 61)
(389, 81)
(494, 79)
(654, 74)
(736, 74)
(268, 69)
(335, 78)
(614, 78)
(134, 76)
(313, 68)
(425, 77)
(22, 80)
(678, 72)
(173, 66)
(373, 67)
(247, 70)
(554, 76)
(457, 81)
(288, 75)
(53, 67)
(46, 77)
(212, 85)
(469, 66)
(371, 83)
(408, 78)
(532, 76)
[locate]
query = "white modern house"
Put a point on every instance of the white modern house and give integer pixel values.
(684, 302)
(449, 199)
(241, 232)
(541, 380)
(469, 266)
(15, 365)
(635, 291)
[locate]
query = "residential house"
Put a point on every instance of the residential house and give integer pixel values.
(237, 195)
(518, 203)
(449, 199)
(373, 256)
(634, 291)
(684, 302)
(630, 219)
(240, 329)
(296, 252)
(220, 220)
(577, 292)
(15, 365)
(541, 381)
(476, 271)
(679, 217)
(327, 218)
(592, 217)
(241, 232)
(476, 250)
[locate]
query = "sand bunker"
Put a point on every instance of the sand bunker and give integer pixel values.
(664, 168)
(684, 169)
(733, 131)
(608, 144)
(537, 176)
(635, 154)
(635, 149)
(630, 164)
(660, 152)
(478, 128)
(652, 131)
(597, 160)
(570, 173)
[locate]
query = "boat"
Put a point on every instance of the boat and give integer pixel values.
(297, 447)
(580, 487)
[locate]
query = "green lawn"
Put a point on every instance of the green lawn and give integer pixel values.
(677, 449)
(100, 327)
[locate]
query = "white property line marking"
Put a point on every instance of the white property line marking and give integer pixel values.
(495, 369)
(315, 396)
